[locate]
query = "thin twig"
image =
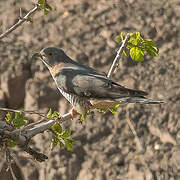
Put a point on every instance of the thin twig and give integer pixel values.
(22, 111)
(9, 163)
(113, 66)
(21, 20)
(118, 55)
(131, 126)
(12, 173)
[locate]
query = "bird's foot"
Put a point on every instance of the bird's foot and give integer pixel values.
(72, 113)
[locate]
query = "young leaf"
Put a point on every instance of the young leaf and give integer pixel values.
(71, 140)
(28, 19)
(19, 120)
(150, 43)
(67, 133)
(122, 35)
(68, 145)
(118, 39)
(49, 114)
(152, 51)
(54, 142)
(102, 110)
(83, 117)
(57, 128)
(45, 6)
(137, 54)
(55, 114)
(11, 143)
(124, 52)
(113, 109)
(41, 2)
(8, 118)
(151, 47)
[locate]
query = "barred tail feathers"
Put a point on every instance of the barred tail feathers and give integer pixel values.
(141, 100)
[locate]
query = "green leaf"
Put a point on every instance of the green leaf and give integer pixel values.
(124, 52)
(135, 38)
(129, 45)
(45, 11)
(137, 54)
(118, 39)
(103, 110)
(57, 128)
(55, 114)
(72, 140)
(122, 35)
(68, 145)
(8, 118)
(19, 120)
(41, 2)
(48, 7)
(83, 117)
(151, 47)
(54, 142)
(11, 143)
(113, 109)
(150, 42)
(28, 19)
(49, 114)
(152, 51)
(67, 133)
(45, 6)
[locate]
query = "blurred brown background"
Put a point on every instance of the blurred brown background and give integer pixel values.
(106, 148)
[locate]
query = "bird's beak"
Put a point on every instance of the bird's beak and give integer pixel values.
(42, 56)
(37, 55)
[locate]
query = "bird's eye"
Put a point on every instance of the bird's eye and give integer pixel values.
(50, 54)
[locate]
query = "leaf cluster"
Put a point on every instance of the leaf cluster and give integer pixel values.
(16, 120)
(60, 137)
(138, 46)
(112, 109)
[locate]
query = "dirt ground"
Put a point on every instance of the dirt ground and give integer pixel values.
(106, 149)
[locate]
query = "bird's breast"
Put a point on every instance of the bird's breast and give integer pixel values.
(80, 104)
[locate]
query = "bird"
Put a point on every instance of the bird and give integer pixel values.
(84, 87)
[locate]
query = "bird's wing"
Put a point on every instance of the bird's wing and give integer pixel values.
(87, 83)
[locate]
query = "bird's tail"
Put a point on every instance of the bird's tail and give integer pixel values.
(141, 100)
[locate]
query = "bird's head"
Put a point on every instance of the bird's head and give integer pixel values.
(51, 56)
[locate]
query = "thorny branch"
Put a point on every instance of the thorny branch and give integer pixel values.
(21, 20)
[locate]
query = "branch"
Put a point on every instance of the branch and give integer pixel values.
(23, 135)
(113, 66)
(118, 55)
(22, 111)
(29, 131)
(45, 126)
(21, 20)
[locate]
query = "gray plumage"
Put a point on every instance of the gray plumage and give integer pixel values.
(84, 86)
